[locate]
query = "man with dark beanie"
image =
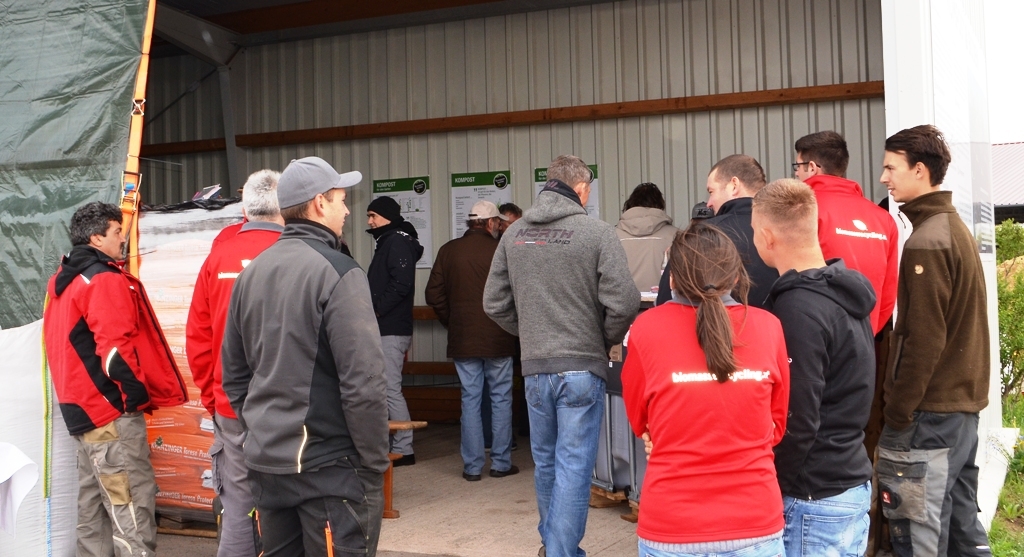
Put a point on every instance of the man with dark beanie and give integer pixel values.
(392, 277)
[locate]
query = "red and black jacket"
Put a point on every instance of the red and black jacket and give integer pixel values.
(106, 351)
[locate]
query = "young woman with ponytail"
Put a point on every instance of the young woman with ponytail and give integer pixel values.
(707, 377)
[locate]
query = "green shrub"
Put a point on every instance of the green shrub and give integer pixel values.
(1010, 287)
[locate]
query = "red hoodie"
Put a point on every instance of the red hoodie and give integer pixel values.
(209, 309)
(861, 233)
(711, 476)
(106, 351)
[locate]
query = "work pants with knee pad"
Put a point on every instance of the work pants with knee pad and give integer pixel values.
(928, 486)
(116, 490)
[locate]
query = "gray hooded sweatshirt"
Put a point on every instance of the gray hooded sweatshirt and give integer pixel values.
(559, 280)
(646, 234)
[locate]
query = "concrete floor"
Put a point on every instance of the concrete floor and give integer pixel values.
(444, 515)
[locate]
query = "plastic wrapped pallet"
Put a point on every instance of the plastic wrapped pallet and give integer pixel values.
(173, 243)
(30, 420)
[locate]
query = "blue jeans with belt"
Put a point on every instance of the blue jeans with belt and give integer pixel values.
(565, 411)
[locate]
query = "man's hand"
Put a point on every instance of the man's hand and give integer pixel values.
(648, 445)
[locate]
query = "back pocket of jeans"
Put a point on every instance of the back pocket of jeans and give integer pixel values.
(902, 489)
(579, 388)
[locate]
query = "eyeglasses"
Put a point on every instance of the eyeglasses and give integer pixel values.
(799, 164)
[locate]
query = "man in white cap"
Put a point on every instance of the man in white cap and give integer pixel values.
(303, 370)
(481, 349)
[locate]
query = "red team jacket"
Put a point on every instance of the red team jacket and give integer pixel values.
(208, 311)
(106, 351)
(861, 233)
(711, 475)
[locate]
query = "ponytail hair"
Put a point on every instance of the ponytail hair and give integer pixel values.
(706, 266)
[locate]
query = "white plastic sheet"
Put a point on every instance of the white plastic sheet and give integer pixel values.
(31, 421)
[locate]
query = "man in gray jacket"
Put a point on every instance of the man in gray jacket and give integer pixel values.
(559, 280)
(303, 370)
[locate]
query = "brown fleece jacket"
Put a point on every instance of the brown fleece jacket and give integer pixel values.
(940, 345)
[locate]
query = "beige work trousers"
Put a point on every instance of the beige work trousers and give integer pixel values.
(116, 490)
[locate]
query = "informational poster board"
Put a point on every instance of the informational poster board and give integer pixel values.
(469, 188)
(413, 196)
(540, 177)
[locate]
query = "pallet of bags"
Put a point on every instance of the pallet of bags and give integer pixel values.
(173, 244)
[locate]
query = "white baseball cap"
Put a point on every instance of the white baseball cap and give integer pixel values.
(483, 210)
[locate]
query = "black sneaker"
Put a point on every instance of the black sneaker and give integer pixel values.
(501, 474)
(470, 477)
(406, 460)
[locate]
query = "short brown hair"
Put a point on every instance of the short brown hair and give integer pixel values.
(743, 167)
(789, 204)
(924, 144)
(827, 149)
(301, 211)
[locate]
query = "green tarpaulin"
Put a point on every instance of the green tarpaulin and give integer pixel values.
(67, 72)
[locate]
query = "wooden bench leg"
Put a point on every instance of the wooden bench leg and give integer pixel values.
(390, 512)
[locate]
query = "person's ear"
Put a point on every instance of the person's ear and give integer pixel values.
(769, 237)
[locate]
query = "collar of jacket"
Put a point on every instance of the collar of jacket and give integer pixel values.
(302, 229)
(561, 188)
(727, 299)
(738, 206)
(476, 231)
(825, 183)
(76, 262)
(380, 231)
(927, 205)
(261, 225)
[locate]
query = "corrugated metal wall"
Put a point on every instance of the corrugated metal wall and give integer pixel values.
(609, 52)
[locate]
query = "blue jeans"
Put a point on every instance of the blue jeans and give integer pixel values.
(498, 372)
(769, 548)
(835, 525)
(565, 411)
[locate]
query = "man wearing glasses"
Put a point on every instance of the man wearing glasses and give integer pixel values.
(850, 226)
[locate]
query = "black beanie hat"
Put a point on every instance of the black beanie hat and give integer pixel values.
(387, 208)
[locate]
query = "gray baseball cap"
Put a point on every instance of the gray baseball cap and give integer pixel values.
(304, 178)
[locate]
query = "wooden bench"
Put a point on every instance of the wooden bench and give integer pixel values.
(394, 427)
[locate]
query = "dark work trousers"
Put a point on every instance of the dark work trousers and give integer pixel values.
(928, 486)
(296, 511)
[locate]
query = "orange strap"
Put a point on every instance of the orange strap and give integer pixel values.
(130, 179)
(330, 540)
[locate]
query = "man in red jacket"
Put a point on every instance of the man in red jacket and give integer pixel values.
(109, 362)
(203, 334)
(850, 226)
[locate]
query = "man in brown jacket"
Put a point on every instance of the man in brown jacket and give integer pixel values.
(481, 349)
(938, 374)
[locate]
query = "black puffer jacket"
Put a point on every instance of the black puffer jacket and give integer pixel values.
(392, 276)
(825, 318)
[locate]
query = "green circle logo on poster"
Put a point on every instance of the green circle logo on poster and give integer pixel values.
(501, 181)
(419, 186)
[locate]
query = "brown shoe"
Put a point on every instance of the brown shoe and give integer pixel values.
(501, 474)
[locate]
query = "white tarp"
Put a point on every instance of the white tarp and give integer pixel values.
(31, 421)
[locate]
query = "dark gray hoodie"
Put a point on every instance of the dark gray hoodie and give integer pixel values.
(559, 280)
(825, 315)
